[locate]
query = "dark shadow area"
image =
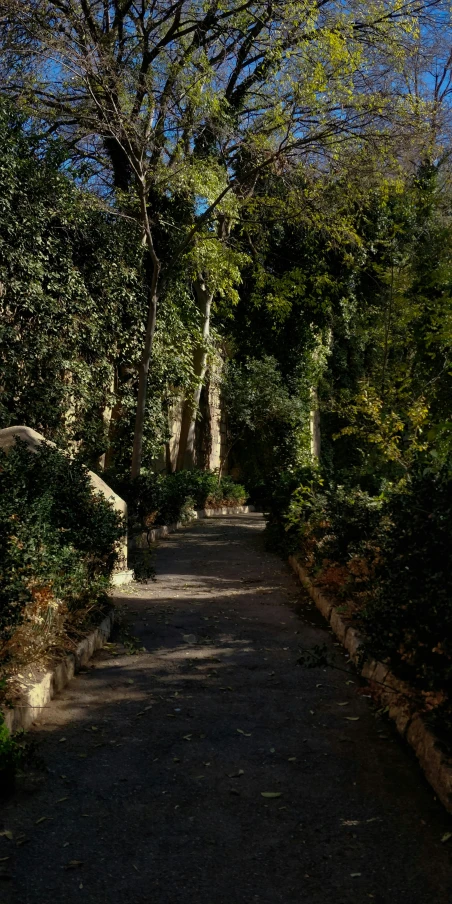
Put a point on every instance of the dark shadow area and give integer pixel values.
(159, 758)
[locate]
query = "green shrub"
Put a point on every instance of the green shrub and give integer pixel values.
(166, 499)
(287, 508)
(9, 751)
(389, 555)
(57, 538)
(409, 616)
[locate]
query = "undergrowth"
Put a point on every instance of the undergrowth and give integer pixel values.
(58, 546)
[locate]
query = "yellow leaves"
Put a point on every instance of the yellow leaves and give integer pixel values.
(220, 265)
(382, 420)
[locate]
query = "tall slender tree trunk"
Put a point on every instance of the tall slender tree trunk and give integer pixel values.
(314, 423)
(152, 265)
(186, 453)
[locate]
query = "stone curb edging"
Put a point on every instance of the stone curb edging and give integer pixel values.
(51, 682)
(199, 514)
(396, 695)
(119, 578)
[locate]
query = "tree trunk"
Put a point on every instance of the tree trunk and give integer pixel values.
(143, 371)
(314, 423)
(186, 453)
(152, 265)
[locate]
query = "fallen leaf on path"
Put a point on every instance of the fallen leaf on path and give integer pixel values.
(352, 718)
(3, 859)
(61, 740)
(187, 737)
(41, 819)
(82, 756)
(354, 875)
(7, 833)
(271, 793)
(350, 822)
(446, 837)
(236, 774)
(343, 704)
(60, 801)
(73, 864)
(247, 735)
(142, 711)
(292, 759)
(349, 682)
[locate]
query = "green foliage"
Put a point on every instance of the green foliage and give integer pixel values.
(70, 296)
(388, 556)
(409, 615)
(166, 499)
(266, 420)
(73, 309)
(57, 540)
(10, 753)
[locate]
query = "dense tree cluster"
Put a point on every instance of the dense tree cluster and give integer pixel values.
(260, 192)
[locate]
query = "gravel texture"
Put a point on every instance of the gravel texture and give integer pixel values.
(156, 764)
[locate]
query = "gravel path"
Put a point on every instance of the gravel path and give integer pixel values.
(159, 764)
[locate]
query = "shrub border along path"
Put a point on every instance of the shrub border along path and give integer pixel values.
(395, 694)
(40, 693)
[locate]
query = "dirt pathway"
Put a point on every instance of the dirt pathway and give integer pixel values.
(157, 762)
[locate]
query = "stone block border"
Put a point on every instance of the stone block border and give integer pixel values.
(395, 694)
(199, 514)
(51, 682)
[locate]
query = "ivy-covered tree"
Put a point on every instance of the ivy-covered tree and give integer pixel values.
(194, 99)
(73, 309)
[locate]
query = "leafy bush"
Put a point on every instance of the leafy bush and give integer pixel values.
(389, 556)
(409, 616)
(57, 544)
(7, 752)
(286, 506)
(165, 499)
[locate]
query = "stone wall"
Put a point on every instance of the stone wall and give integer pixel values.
(211, 430)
